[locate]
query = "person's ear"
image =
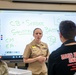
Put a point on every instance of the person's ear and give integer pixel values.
(33, 35)
(60, 35)
(42, 34)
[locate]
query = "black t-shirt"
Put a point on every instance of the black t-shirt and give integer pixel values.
(63, 60)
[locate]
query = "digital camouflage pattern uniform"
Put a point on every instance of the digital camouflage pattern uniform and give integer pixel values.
(3, 68)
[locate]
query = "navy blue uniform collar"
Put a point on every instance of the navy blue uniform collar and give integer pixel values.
(68, 41)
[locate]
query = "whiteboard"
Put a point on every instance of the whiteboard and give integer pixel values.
(16, 29)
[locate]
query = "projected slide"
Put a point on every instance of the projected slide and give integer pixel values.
(16, 29)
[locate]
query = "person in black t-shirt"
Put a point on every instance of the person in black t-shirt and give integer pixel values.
(63, 60)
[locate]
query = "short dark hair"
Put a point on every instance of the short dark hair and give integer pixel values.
(68, 29)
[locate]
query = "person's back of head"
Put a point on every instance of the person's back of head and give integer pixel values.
(68, 29)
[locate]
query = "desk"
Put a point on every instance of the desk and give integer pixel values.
(14, 71)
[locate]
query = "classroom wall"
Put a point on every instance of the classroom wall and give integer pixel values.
(8, 4)
(14, 5)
